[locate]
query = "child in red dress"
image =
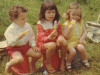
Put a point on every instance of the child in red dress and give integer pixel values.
(49, 37)
(20, 41)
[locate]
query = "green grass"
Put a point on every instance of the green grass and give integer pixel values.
(90, 12)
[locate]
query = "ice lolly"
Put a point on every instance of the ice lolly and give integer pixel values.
(26, 31)
(73, 22)
(55, 24)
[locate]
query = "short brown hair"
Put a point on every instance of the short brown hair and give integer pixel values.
(48, 5)
(16, 10)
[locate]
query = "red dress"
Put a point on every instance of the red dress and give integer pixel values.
(42, 37)
(23, 67)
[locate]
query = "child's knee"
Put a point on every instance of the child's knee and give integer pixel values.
(81, 48)
(64, 42)
(39, 55)
(19, 60)
(52, 46)
(72, 52)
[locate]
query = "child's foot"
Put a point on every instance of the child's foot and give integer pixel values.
(69, 69)
(50, 69)
(87, 65)
(7, 69)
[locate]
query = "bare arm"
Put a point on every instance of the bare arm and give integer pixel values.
(66, 31)
(82, 38)
(84, 33)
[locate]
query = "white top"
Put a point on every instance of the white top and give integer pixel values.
(46, 24)
(12, 32)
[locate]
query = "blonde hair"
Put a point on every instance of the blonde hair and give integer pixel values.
(73, 7)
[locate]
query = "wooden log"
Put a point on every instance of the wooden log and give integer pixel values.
(77, 62)
(3, 46)
(4, 57)
(94, 24)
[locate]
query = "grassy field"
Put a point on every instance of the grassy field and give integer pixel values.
(90, 11)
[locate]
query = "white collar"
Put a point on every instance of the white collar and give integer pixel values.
(46, 24)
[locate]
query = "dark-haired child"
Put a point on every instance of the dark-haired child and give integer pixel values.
(49, 37)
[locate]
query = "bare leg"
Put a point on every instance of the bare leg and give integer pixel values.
(63, 44)
(70, 56)
(16, 58)
(82, 51)
(33, 64)
(50, 49)
(35, 56)
(63, 55)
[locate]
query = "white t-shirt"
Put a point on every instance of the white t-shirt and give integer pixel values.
(12, 32)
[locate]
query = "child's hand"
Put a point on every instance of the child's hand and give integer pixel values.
(70, 26)
(36, 49)
(61, 41)
(23, 34)
(81, 41)
(53, 34)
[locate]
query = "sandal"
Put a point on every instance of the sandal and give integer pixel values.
(87, 65)
(51, 71)
(69, 69)
(41, 69)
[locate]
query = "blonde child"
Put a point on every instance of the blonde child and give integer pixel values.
(74, 32)
(20, 40)
(49, 37)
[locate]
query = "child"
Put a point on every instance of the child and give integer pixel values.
(74, 31)
(49, 38)
(20, 40)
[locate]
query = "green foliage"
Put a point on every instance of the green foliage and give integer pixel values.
(82, 1)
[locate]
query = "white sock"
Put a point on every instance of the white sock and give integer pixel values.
(85, 61)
